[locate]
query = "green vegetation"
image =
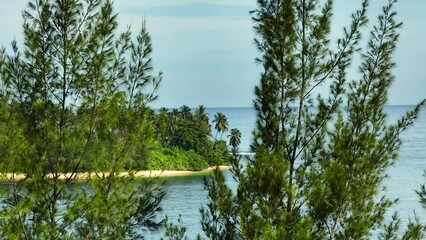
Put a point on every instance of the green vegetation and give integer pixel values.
(176, 159)
(75, 98)
(422, 193)
(235, 139)
(320, 160)
(185, 140)
(221, 124)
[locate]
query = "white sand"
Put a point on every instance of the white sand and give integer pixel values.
(82, 176)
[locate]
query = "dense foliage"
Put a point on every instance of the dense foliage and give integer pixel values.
(320, 160)
(185, 140)
(74, 103)
(176, 159)
(75, 98)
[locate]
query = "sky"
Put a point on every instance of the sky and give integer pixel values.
(205, 47)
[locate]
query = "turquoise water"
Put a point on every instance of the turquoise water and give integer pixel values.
(185, 195)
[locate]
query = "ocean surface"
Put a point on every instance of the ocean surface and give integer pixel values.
(185, 195)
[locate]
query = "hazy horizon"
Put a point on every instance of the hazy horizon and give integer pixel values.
(205, 47)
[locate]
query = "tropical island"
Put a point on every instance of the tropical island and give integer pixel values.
(185, 140)
(183, 144)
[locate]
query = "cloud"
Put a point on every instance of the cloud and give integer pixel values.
(188, 17)
(190, 10)
(161, 3)
(182, 25)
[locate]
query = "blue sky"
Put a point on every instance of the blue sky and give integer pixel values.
(205, 47)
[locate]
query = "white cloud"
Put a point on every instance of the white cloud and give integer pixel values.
(160, 3)
(171, 25)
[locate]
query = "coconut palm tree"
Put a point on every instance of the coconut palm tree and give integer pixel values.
(172, 125)
(201, 115)
(174, 111)
(234, 138)
(221, 124)
(161, 123)
(185, 112)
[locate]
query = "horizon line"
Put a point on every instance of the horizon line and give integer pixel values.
(229, 107)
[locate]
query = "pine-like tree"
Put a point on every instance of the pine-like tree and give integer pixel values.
(73, 100)
(320, 160)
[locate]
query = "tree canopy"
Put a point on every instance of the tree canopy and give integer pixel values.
(320, 160)
(74, 101)
(74, 98)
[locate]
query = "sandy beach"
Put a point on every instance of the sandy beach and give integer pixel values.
(173, 173)
(139, 174)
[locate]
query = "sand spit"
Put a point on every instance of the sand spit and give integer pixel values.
(139, 174)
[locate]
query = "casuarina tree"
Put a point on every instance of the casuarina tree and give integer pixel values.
(74, 100)
(320, 160)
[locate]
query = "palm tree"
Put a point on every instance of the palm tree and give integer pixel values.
(185, 112)
(161, 123)
(163, 111)
(175, 112)
(234, 138)
(221, 125)
(201, 115)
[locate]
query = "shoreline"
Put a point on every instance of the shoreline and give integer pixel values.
(175, 173)
(138, 174)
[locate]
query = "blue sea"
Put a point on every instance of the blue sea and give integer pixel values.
(185, 195)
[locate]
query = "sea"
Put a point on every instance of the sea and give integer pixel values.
(185, 195)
